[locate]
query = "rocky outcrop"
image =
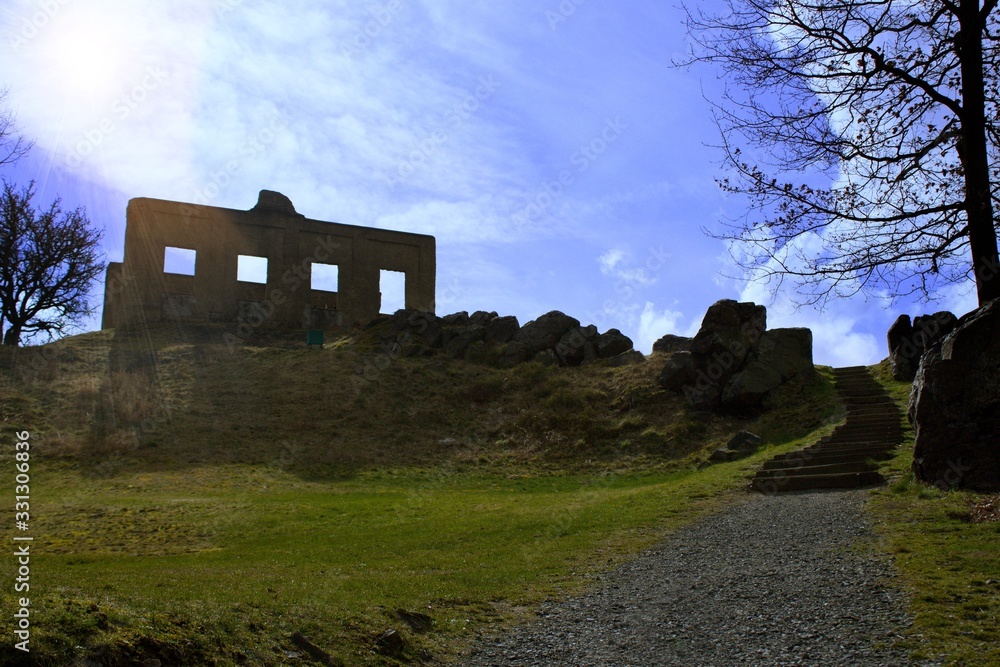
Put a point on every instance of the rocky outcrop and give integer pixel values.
(577, 345)
(671, 343)
(955, 405)
(612, 343)
(734, 362)
(909, 341)
(678, 372)
(553, 339)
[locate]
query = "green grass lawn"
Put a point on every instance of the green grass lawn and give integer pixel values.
(220, 565)
(950, 565)
(202, 508)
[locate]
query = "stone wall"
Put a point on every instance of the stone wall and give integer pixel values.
(138, 290)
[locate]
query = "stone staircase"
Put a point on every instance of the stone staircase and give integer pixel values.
(844, 459)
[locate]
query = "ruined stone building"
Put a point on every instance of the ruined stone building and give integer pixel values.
(192, 263)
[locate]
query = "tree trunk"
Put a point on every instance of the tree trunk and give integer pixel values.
(975, 158)
(12, 336)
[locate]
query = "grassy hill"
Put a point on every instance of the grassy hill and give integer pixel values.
(946, 545)
(172, 399)
(198, 503)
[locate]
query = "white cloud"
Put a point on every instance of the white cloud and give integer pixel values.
(611, 265)
(610, 260)
(654, 324)
(839, 338)
(211, 106)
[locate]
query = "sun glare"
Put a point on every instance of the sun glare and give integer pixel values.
(84, 58)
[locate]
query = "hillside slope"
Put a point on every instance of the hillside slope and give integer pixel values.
(196, 504)
(166, 399)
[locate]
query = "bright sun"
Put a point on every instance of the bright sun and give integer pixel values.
(84, 57)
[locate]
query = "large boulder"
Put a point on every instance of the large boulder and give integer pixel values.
(903, 353)
(740, 446)
(487, 337)
(459, 319)
(929, 329)
(408, 327)
(612, 343)
(734, 362)
(955, 405)
(458, 345)
(730, 330)
(481, 317)
(577, 345)
(512, 353)
(749, 386)
(728, 334)
(788, 351)
(671, 343)
(677, 372)
(545, 332)
(908, 342)
(501, 329)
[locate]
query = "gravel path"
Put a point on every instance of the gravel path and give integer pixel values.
(778, 580)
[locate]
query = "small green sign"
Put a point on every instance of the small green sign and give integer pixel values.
(314, 337)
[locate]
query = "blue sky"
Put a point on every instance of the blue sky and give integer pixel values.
(558, 158)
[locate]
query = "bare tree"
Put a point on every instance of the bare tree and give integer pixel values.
(13, 146)
(862, 133)
(49, 259)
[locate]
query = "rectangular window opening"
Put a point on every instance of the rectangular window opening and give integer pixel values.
(392, 285)
(325, 277)
(179, 260)
(250, 269)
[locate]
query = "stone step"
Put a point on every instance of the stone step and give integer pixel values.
(813, 468)
(846, 480)
(883, 405)
(868, 399)
(876, 421)
(842, 456)
(857, 453)
(872, 435)
(871, 432)
(839, 456)
(846, 446)
(885, 410)
(851, 444)
(872, 421)
(860, 391)
(886, 435)
(825, 459)
(848, 442)
(855, 438)
(869, 426)
(851, 370)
